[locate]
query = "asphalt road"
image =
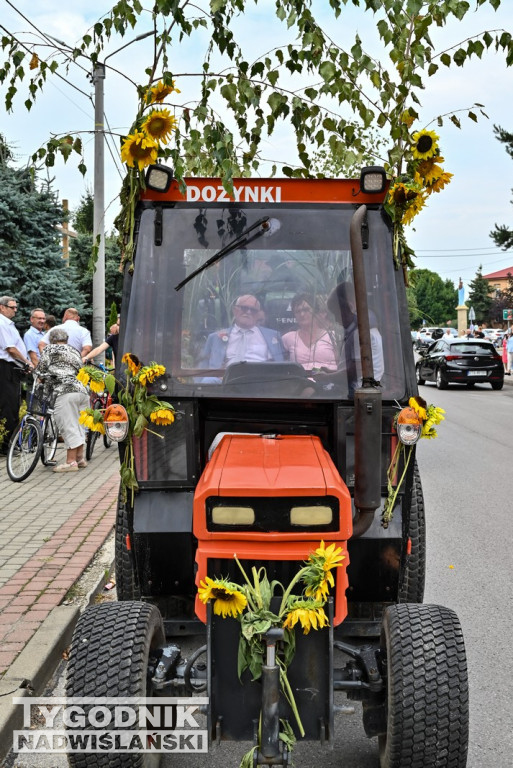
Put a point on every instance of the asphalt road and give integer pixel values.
(468, 491)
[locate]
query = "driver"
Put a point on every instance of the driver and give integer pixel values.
(245, 340)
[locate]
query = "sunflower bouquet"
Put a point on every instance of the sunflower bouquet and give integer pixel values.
(151, 131)
(142, 408)
(427, 417)
(254, 605)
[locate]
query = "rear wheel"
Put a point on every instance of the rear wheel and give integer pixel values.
(414, 574)
(112, 648)
(427, 689)
(497, 384)
(441, 381)
(127, 587)
(50, 440)
(419, 378)
(25, 447)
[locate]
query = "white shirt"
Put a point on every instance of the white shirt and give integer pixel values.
(78, 337)
(9, 337)
(246, 344)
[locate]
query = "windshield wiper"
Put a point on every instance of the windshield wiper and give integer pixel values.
(239, 241)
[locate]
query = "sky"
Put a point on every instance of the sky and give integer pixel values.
(450, 236)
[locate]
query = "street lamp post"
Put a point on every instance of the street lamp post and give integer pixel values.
(99, 207)
(98, 78)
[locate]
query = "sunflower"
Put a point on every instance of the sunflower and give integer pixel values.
(429, 170)
(97, 386)
(163, 416)
(425, 145)
(139, 149)
(330, 556)
(83, 377)
(413, 209)
(318, 577)
(132, 362)
(444, 178)
(228, 599)
(402, 193)
(159, 125)
(159, 92)
(419, 405)
(92, 420)
(309, 613)
(149, 373)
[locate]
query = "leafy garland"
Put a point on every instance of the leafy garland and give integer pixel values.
(250, 604)
(428, 417)
(141, 407)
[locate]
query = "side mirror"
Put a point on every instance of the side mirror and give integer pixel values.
(437, 334)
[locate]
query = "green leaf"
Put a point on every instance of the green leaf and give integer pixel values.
(110, 383)
(327, 71)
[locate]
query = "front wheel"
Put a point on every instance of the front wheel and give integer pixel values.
(114, 646)
(50, 440)
(25, 447)
(441, 382)
(427, 689)
(91, 438)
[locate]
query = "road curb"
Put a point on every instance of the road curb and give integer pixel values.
(32, 669)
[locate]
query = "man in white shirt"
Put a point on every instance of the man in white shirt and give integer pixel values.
(35, 334)
(78, 336)
(11, 348)
(244, 340)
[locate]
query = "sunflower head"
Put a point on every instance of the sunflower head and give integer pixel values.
(425, 145)
(159, 125)
(149, 373)
(132, 362)
(163, 416)
(419, 405)
(139, 150)
(308, 613)
(227, 598)
(158, 93)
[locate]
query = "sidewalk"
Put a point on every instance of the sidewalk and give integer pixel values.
(51, 525)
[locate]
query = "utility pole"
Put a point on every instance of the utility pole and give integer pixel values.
(99, 208)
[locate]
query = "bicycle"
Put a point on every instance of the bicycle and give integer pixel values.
(99, 402)
(36, 436)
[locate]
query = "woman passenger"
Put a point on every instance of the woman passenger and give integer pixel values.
(311, 345)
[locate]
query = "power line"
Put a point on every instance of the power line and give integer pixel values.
(449, 250)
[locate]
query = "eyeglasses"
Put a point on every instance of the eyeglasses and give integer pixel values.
(10, 306)
(245, 308)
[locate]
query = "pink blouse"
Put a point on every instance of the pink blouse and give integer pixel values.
(321, 354)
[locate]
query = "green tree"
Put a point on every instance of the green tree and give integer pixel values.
(479, 297)
(436, 298)
(81, 248)
(330, 94)
(503, 235)
(32, 268)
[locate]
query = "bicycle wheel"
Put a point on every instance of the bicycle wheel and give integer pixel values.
(50, 439)
(25, 448)
(107, 441)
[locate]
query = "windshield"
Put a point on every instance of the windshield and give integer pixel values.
(274, 318)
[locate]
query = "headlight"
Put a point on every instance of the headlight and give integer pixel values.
(409, 426)
(115, 421)
(233, 516)
(309, 516)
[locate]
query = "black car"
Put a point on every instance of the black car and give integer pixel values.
(461, 361)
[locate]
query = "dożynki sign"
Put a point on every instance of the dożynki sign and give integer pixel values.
(111, 725)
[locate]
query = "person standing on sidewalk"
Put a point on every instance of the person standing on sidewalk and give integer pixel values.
(78, 336)
(12, 349)
(509, 349)
(61, 363)
(34, 334)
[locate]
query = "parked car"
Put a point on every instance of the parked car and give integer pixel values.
(461, 361)
(492, 334)
(425, 338)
